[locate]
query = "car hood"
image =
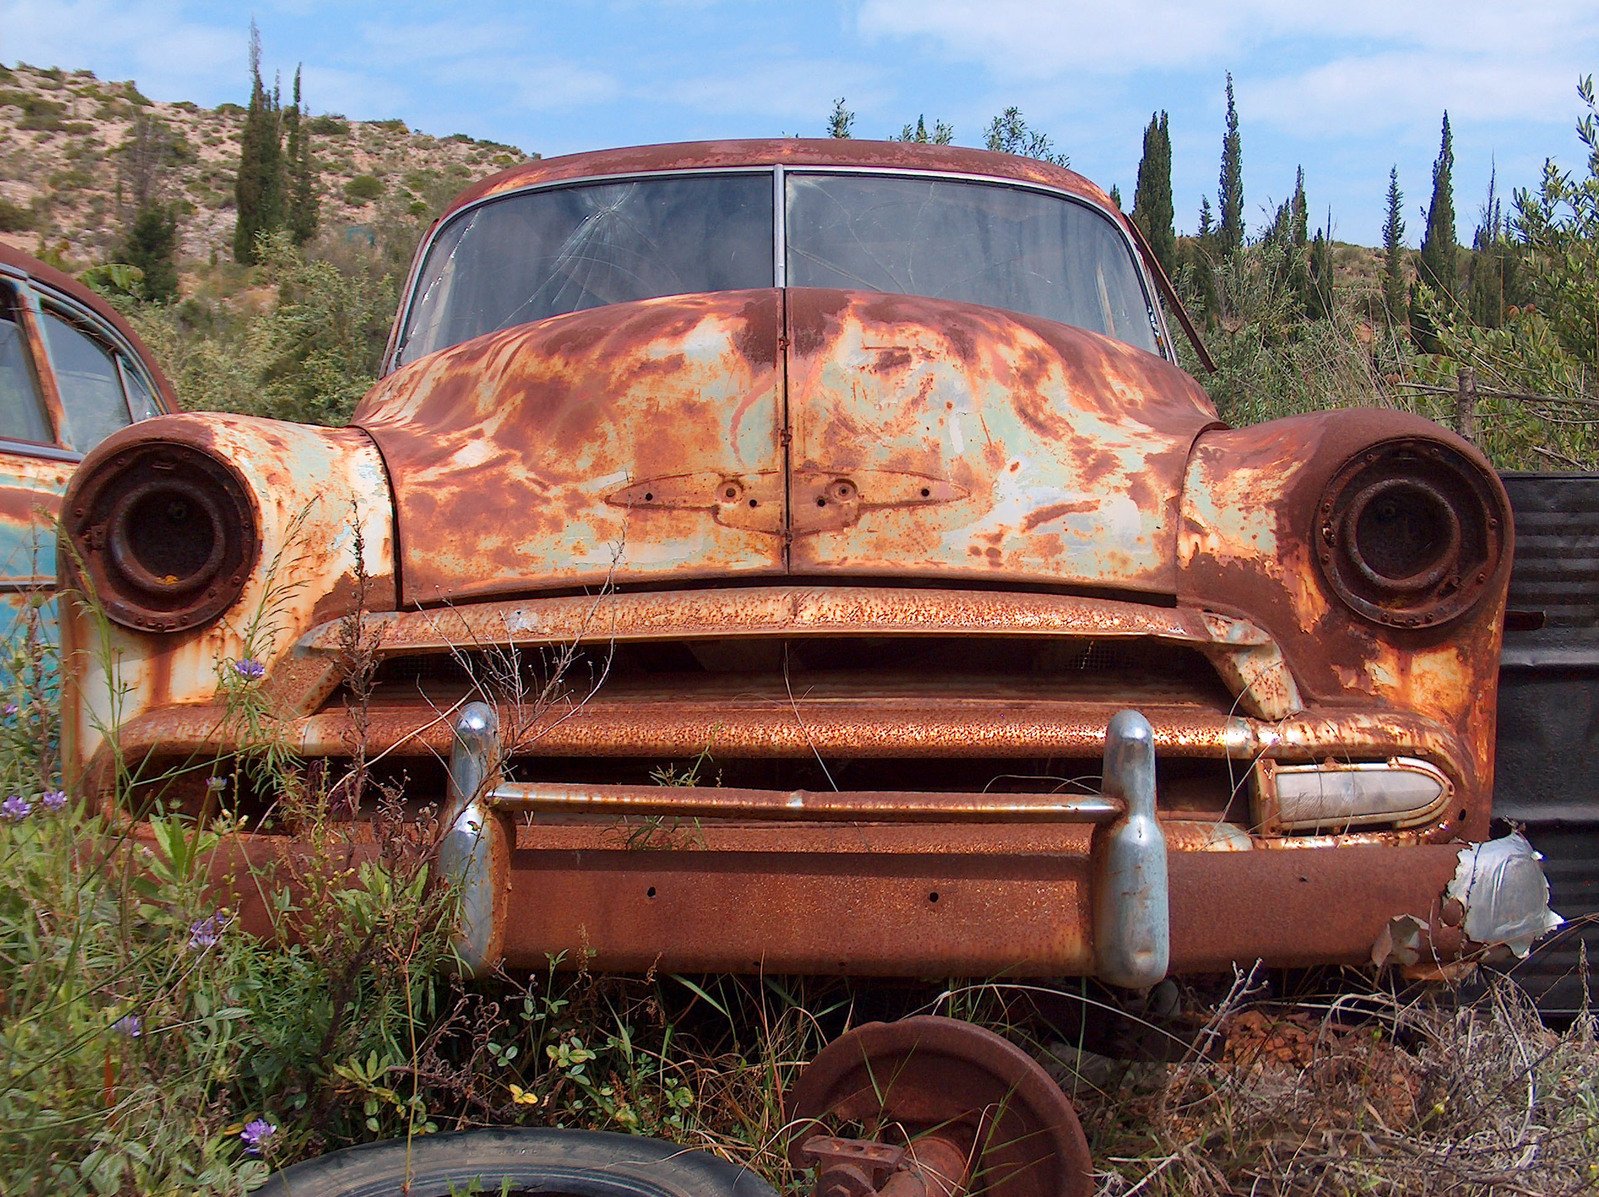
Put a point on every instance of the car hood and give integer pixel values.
(771, 433)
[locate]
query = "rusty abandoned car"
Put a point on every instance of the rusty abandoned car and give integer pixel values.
(71, 373)
(866, 473)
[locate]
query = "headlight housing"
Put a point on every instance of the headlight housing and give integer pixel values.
(1410, 533)
(166, 534)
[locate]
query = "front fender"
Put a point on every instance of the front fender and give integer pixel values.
(325, 522)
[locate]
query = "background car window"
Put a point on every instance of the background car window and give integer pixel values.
(141, 401)
(91, 387)
(21, 410)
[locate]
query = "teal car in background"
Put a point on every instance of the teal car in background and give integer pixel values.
(71, 373)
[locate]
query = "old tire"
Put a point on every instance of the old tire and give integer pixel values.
(528, 1159)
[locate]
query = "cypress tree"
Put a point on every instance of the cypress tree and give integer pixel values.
(1301, 277)
(1486, 296)
(302, 214)
(1116, 196)
(1393, 251)
(258, 191)
(1319, 287)
(1200, 260)
(1439, 251)
(1153, 210)
(1300, 211)
(151, 245)
(1230, 230)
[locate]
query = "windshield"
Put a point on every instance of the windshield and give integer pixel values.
(537, 254)
(1002, 247)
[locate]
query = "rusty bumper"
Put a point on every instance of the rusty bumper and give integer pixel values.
(1038, 885)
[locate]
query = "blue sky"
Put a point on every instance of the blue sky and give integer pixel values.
(1344, 89)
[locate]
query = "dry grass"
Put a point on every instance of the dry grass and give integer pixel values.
(1360, 1095)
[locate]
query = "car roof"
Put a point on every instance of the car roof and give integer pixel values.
(784, 151)
(14, 261)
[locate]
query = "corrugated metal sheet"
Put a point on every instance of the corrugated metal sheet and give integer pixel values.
(1548, 742)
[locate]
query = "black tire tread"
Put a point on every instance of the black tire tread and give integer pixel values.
(533, 1159)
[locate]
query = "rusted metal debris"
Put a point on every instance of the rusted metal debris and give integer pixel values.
(949, 1109)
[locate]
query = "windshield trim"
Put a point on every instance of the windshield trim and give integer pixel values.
(779, 172)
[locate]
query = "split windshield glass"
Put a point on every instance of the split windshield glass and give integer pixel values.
(543, 253)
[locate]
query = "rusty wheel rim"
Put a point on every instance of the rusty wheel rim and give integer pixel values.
(933, 1077)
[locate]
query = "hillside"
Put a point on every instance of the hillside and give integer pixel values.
(70, 159)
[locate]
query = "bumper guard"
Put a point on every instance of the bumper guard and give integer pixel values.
(1130, 893)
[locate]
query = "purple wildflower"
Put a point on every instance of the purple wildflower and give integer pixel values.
(215, 784)
(15, 808)
(205, 932)
(53, 800)
(250, 669)
(9, 710)
(130, 1025)
(255, 1134)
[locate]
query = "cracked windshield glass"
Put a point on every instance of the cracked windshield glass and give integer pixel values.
(539, 254)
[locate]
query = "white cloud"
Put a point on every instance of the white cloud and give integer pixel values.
(1385, 91)
(1063, 38)
(794, 89)
(173, 57)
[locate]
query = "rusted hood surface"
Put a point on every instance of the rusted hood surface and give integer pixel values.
(982, 444)
(766, 432)
(512, 456)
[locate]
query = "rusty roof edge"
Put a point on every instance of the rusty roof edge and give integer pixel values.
(785, 151)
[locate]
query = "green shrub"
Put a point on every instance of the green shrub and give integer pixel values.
(14, 218)
(363, 189)
(329, 125)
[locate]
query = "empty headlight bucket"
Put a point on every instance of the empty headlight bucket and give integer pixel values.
(1409, 533)
(165, 533)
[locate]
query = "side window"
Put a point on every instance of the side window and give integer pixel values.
(21, 407)
(92, 400)
(141, 401)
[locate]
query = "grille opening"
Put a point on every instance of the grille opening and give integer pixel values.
(1041, 664)
(1197, 788)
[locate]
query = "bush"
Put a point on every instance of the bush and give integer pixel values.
(310, 358)
(14, 218)
(329, 125)
(363, 189)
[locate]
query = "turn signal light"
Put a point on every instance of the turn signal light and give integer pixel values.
(1341, 796)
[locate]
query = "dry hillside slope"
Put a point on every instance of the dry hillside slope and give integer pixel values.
(68, 165)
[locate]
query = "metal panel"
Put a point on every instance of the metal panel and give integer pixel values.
(940, 439)
(1548, 749)
(637, 441)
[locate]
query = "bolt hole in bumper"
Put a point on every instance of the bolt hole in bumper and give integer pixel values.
(1348, 904)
